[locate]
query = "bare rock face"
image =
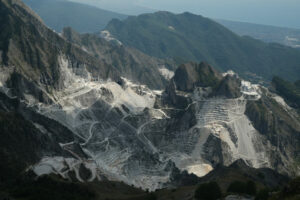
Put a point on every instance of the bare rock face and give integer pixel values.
(191, 75)
(129, 62)
(280, 128)
(96, 125)
(34, 51)
(130, 133)
(125, 130)
(229, 87)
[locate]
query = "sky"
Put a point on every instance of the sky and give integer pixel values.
(285, 13)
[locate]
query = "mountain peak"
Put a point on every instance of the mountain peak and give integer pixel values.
(36, 52)
(191, 75)
(191, 37)
(229, 87)
(239, 164)
(13, 3)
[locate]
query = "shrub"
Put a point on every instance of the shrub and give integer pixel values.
(242, 188)
(237, 187)
(250, 188)
(261, 175)
(262, 195)
(208, 191)
(151, 196)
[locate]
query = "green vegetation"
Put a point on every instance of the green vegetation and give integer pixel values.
(208, 191)
(290, 91)
(53, 187)
(188, 37)
(189, 75)
(262, 194)
(47, 188)
(15, 158)
(289, 192)
(264, 32)
(4, 35)
(240, 187)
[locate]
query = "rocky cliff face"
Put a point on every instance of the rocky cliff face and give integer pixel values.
(130, 62)
(97, 125)
(191, 75)
(28, 48)
(122, 131)
(279, 126)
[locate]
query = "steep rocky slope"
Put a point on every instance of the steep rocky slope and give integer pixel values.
(138, 66)
(85, 122)
(288, 90)
(130, 133)
(36, 66)
(30, 49)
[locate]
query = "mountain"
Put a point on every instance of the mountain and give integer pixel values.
(288, 90)
(67, 111)
(138, 66)
(119, 6)
(58, 14)
(189, 37)
(36, 66)
(37, 52)
(240, 171)
(30, 66)
(129, 128)
(272, 34)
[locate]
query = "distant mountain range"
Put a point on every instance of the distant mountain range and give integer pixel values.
(83, 18)
(119, 6)
(285, 36)
(189, 37)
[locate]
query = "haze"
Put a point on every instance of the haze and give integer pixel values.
(285, 13)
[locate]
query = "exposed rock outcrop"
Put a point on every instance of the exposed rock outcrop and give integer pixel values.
(129, 62)
(191, 75)
(120, 130)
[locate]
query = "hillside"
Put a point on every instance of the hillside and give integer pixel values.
(288, 90)
(75, 120)
(43, 187)
(189, 37)
(285, 36)
(58, 14)
(138, 66)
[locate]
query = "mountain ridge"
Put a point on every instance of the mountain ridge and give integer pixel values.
(99, 125)
(283, 35)
(138, 66)
(190, 37)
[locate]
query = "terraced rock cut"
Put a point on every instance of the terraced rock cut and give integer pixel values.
(80, 119)
(125, 133)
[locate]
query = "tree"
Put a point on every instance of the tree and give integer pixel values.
(262, 194)
(208, 191)
(237, 187)
(250, 188)
(242, 187)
